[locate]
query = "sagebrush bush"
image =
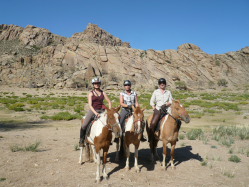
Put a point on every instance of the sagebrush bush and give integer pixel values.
(234, 158)
(194, 134)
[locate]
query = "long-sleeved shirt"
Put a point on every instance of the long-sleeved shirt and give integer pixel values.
(160, 98)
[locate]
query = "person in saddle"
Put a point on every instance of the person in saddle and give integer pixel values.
(127, 98)
(96, 104)
(160, 101)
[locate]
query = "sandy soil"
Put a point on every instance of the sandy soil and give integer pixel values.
(56, 162)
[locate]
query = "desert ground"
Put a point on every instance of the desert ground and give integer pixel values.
(203, 161)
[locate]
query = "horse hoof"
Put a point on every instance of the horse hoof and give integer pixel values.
(127, 168)
(97, 181)
(106, 177)
(137, 170)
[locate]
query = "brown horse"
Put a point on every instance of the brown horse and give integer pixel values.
(169, 129)
(133, 133)
(100, 137)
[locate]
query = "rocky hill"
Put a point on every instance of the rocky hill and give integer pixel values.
(35, 57)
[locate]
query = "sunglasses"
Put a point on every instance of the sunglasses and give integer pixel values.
(96, 83)
(127, 85)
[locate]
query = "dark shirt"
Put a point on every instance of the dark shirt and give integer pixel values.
(97, 101)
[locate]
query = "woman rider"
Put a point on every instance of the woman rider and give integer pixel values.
(128, 98)
(160, 97)
(96, 104)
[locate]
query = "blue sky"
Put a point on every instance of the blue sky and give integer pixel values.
(216, 26)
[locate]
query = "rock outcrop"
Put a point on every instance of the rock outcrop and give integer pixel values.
(34, 57)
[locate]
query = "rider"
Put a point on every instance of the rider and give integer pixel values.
(160, 98)
(96, 104)
(128, 98)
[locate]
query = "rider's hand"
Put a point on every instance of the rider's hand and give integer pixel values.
(129, 106)
(98, 115)
(168, 104)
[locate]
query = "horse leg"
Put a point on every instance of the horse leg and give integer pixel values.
(87, 152)
(155, 149)
(81, 152)
(105, 151)
(152, 147)
(127, 154)
(136, 158)
(94, 153)
(98, 168)
(172, 155)
(117, 150)
(164, 154)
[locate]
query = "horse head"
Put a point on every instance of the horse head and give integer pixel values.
(179, 111)
(113, 121)
(138, 119)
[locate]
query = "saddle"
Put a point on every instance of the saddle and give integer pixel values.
(126, 118)
(89, 126)
(164, 112)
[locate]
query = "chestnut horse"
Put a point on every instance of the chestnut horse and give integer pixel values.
(133, 132)
(100, 137)
(169, 129)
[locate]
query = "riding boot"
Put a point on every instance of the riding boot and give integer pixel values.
(143, 139)
(82, 137)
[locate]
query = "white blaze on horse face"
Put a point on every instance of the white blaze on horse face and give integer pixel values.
(97, 127)
(128, 125)
(181, 105)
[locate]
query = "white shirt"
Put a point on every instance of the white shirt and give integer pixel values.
(129, 99)
(160, 98)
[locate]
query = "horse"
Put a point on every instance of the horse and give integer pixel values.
(133, 133)
(100, 137)
(169, 129)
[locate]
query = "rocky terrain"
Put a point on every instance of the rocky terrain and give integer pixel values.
(35, 57)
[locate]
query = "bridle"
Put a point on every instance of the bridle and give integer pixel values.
(136, 126)
(109, 126)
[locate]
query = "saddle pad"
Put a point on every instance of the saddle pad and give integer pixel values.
(88, 129)
(160, 123)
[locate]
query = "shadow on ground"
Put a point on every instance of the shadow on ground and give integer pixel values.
(182, 154)
(20, 125)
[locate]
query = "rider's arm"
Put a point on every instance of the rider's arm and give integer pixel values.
(153, 100)
(90, 103)
(121, 101)
(108, 100)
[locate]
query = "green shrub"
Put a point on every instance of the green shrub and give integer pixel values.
(204, 163)
(214, 146)
(31, 147)
(2, 179)
(234, 158)
(62, 116)
(195, 114)
(222, 82)
(16, 107)
(228, 174)
(181, 136)
(181, 85)
(195, 134)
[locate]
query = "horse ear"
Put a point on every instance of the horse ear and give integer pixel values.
(117, 109)
(179, 100)
(143, 109)
(108, 110)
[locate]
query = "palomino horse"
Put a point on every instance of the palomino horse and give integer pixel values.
(133, 133)
(169, 129)
(100, 137)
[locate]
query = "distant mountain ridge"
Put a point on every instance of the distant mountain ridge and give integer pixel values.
(35, 57)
